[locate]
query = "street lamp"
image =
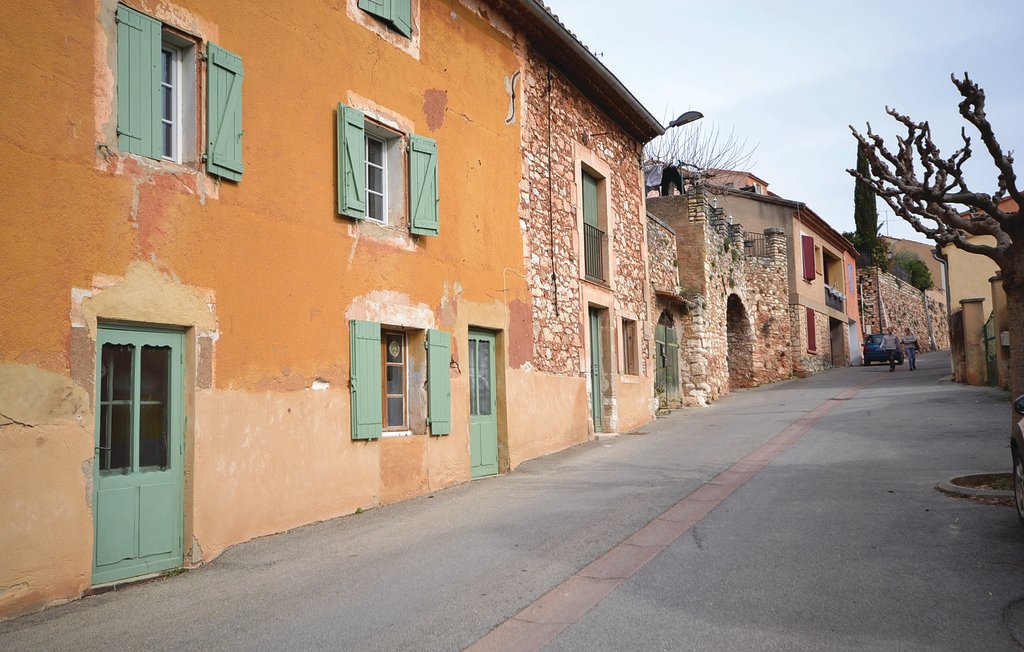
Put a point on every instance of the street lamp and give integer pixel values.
(686, 118)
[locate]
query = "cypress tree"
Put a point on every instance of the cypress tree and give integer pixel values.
(865, 211)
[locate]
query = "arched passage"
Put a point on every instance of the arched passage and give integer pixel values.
(741, 344)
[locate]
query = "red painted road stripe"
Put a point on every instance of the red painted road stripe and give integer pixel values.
(542, 622)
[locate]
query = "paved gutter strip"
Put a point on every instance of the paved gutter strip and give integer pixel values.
(541, 622)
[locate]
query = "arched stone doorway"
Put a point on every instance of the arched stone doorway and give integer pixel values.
(666, 361)
(741, 344)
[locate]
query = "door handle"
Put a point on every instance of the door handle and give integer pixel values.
(102, 448)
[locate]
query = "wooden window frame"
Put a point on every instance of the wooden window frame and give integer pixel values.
(385, 334)
(630, 355)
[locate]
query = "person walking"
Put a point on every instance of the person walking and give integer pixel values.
(909, 342)
(891, 344)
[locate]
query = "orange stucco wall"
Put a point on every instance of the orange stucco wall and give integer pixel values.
(263, 274)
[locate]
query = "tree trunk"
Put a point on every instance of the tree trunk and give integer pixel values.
(1015, 316)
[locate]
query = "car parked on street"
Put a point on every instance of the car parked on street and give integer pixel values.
(1016, 453)
(874, 354)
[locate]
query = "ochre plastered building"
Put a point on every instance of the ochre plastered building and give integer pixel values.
(269, 265)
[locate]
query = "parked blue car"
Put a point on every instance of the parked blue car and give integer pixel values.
(874, 354)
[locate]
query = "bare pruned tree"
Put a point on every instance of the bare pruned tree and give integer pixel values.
(932, 194)
(700, 148)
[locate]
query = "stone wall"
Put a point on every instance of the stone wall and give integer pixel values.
(663, 256)
(736, 332)
(902, 306)
(553, 127)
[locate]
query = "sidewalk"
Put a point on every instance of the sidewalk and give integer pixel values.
(443, 570)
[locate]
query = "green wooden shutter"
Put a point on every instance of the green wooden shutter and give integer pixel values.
(365, 379)
(138, 83)
(379, 8)
(590, 200)
(224, 113)
(401, 16)
(423, 190)
(439, 382)
(351, 162)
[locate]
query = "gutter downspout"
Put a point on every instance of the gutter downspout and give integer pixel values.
(944, 261)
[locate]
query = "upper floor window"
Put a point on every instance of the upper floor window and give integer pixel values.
(171, 118)
(595, 239)
(396, 13)
(157, 100)
(376, 179)
(371, 182)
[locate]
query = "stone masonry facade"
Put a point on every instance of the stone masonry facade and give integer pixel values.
(902, 306)
(735, 331)
(556, 120)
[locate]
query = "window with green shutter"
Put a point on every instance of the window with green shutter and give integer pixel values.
(439, 382)
(156, 101)
(423, 190)
(365, 379)
(371, 180)
(224, 113)
(396, 13)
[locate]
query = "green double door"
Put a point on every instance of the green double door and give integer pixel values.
(483, 418)
(137, 475)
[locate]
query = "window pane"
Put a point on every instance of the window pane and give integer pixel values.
(396, 412)
(483, 378)
(168, 150)
(168, 100)
(395, 381)
(375, 179)
(116, 438)
(166, 60)
(156, 366)
(394, 347)
(116, 370)
(375, 206)
(155, 382)
(375, 152)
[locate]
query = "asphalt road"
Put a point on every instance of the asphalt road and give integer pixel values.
(840, 542)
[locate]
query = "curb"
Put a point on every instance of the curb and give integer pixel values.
(947, 487)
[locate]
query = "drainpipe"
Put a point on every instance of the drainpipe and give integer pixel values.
(551, 213)
(944, 261)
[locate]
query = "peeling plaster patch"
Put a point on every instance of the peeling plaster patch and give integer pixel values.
(11, 594)
(394, 308)
(195, 553)
(381, 114)
(87, 474)
(510, 88)
(30, 396)
(448, 311)
(520, 333)
(320, 385)
(434, 103)
(144, 294)
(410, 46)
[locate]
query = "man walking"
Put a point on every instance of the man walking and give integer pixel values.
(890, 344)
(910, 347)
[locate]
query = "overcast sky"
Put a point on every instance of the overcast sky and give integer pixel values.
(790, 77)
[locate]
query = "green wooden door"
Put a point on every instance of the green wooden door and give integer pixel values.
(672, 392)
(595, 367)
(660, 357)
(483, 420)
(137, 475)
